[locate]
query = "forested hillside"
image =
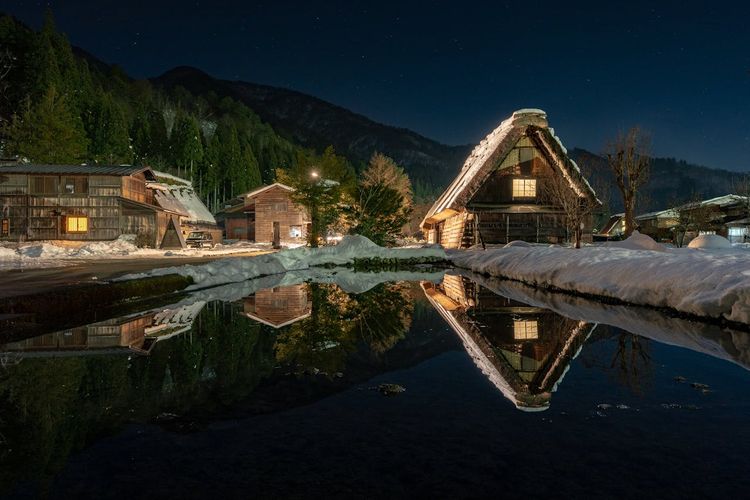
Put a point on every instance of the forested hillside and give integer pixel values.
(313, 123)
(58, 105)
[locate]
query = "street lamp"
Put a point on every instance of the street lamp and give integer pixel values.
(314, 174)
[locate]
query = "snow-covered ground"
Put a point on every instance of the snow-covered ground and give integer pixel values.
(55, 254)
(708, 281)
(235, 270)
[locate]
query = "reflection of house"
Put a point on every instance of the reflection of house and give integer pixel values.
(260, 214)
(524, 351)
(501, 193)
(111, 336)
(80, 202)
(280, 306)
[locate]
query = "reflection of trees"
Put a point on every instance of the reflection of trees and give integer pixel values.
(339, 323)
(632, 362)
(630, 358)
(51, 407)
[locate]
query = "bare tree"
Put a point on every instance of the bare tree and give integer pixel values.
(578, 208)
(629, 159)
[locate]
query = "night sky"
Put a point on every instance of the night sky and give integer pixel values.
(453, 70)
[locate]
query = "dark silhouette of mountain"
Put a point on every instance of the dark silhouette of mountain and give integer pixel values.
(670, 183)
(315, 123)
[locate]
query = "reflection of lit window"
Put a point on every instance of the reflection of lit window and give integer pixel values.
(76, 224)
(295, 231)
(524, 188)
(525, 329)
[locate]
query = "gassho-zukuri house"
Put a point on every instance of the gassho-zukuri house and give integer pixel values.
(499, 194)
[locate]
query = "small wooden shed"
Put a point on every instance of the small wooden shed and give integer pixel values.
(263, 213)
(499, 194)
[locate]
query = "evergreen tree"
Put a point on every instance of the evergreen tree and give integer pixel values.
(382, 201)
(321, 184)
(107, 129)
(47, 132)
(186, 147)
(252, 177)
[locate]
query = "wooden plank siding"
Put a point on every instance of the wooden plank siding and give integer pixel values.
(279, 306)
(36, 206)
(276, 205)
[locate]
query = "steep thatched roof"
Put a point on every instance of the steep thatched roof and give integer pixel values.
(491, 152)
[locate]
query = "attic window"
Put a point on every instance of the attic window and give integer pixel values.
(524, 188)
(525, 329)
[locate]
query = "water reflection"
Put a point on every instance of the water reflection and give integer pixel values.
(523, 350)
(286, 341)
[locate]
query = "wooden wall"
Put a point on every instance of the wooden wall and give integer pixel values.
(275, 205)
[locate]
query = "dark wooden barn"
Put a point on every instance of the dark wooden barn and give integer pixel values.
(82, 203)
(500, 193)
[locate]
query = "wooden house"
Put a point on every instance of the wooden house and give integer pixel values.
(524, 351)
(82, 203)
(727, 216)
(613, 229)
(500, 193)
(264, 213)
(279, 306)
(659, 225)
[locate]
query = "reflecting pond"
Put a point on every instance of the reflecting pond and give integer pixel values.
(340, 384)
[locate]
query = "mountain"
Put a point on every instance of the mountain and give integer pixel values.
(315, 123)
(671, 181)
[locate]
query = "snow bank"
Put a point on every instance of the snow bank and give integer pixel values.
(710, 241)
(637, 241)
(713, 284)
(518, 243)
(235, 270)
(726, 344)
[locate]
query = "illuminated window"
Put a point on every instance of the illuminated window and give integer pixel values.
(5, 230)
(524, 188)
(76, 224)
(295, 231)
(525, 329)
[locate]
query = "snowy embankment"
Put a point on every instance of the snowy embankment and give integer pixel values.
(235, 270)
(705, 282)
(54, 254)
(723, 343)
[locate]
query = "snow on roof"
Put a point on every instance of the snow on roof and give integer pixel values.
(181, 198)
(164, 175)
(188, 198)
(493, 149)
(263, 189)
(668, 213)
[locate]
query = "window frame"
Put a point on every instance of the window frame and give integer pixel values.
(69, 218)
(527, 185)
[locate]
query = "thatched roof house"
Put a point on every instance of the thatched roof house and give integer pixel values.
(498, 195)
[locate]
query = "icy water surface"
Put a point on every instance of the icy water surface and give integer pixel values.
(458, 386)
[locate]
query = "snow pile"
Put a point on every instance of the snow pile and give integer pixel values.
(518, 243)
(637, 241)
(710, 242)
(121, 246)
(701, 283)
(353, 247)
